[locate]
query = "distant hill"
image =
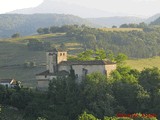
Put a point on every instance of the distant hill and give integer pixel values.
(117, 21)
(156, 22)
(153, 18)
(28, 24)
(52, 6)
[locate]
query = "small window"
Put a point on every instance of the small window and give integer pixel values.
(45, 76)
(63, 54)
(60, 54)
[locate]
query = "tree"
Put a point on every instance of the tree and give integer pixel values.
(46, 30)
(124, 74)
(64, 94)
(16, 35)
(110, 56)
(131, 96)
(100, 54)
(40, 31)
(3, 93)
(124, 26)
(114, 26)
(150, 78)
(86, 116)
(98, 100)
(35, 44)
(20, 99)
(120, 58)
(90, 41)
(86, 55)
(142, 25)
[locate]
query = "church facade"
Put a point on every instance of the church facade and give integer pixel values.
(57, 65)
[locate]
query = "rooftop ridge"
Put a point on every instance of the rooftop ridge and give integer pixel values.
(89, 62)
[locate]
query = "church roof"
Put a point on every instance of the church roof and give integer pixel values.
(59, 73)
(93, 62)
(45, 73)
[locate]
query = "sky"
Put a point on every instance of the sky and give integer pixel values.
(143, 8)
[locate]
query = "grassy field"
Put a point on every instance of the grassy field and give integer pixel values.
(121, 29)
(23, 39)
(12, 53)
(25, 75)
(140, 64)
(15, 51)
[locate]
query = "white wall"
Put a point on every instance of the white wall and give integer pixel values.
(79, 69)
(6, 84)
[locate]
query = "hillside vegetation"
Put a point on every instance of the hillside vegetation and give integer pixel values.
(28, 24)
(121, 29)
(14, 52)
(96, 97)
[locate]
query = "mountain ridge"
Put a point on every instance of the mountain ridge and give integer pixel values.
(116, 20)
(28, 24)
(51, 6)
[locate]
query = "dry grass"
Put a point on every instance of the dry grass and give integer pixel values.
(72, 44)
(140, 64)
(22, 39)
(120, 29)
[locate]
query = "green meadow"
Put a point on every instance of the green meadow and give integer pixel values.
(140, 64)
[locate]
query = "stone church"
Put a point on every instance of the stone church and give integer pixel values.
(57, 65)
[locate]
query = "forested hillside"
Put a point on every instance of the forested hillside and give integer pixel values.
(17, 53)
(134, 43)
(28, 24)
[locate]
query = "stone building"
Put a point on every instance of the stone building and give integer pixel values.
(57, 65)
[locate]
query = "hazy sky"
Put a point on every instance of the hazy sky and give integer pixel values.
(128, 7)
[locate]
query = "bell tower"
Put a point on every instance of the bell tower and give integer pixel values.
(54, 58)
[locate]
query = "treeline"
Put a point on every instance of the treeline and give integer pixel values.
(133, 25)
(135, 44)
(126, 91)
(38, 45)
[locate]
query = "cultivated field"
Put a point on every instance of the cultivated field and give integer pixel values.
(140, 64)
